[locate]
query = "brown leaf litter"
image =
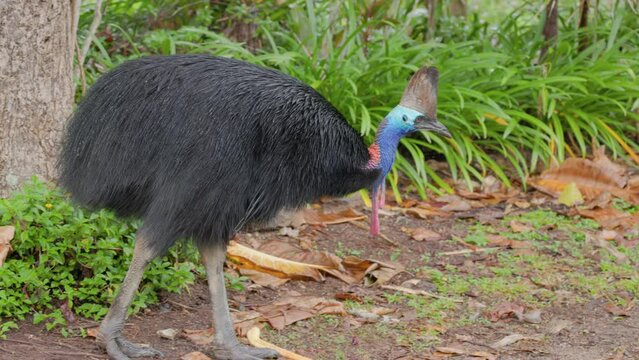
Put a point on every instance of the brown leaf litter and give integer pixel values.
(591, 177)
(6, 235)
(281, 260)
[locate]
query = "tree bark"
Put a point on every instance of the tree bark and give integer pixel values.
(583, 24)
(550, 27)
(431, 6)
(37, 41)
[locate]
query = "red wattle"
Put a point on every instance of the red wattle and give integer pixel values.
(374, 156)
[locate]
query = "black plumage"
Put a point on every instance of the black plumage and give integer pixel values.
(197, 146)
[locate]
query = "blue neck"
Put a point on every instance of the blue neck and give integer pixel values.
(387, 139)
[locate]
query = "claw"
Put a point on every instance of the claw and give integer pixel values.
(135, 351)
(118, 348)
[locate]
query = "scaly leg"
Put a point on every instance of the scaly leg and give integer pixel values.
(382, 195)
(226, 344)
(375, 213)
(110, 334)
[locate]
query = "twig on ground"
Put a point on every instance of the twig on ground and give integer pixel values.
(68, 353)
(19, 342)
(186, 307)
(7, 351)
(466, 251)
(419, 292)
(38, 342)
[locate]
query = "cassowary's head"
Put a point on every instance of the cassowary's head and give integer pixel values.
(418, 108)
(404, 121)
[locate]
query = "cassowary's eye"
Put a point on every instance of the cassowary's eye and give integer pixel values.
(404, 118)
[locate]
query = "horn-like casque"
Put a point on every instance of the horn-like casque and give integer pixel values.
(421, 92)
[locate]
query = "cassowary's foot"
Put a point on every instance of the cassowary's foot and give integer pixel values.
(118, 348)
(244, 352)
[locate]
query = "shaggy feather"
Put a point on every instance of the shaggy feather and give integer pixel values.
(197, 146)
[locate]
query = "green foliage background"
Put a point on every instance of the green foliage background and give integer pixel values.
(495, 96)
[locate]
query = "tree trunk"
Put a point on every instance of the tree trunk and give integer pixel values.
(36, 86)
(550, 27)
(431, 6)
(583, 24)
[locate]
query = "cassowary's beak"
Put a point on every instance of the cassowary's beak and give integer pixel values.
(428, 124)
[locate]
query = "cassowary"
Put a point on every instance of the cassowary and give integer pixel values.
(198, 146)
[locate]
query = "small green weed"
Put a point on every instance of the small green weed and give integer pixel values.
(478, 234)
(235, 283)
(343, 251)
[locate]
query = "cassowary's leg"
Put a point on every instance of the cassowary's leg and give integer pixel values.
(382, 195)
(226, 344)
(110, 334)
(375, 212)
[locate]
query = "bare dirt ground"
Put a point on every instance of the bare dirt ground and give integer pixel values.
(575, 300)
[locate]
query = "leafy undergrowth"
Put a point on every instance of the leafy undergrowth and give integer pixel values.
(68, 261)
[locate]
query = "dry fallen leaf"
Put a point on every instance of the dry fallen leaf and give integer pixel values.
(246, 258)
(511, 339)
(195, 355)
(558, 325)
(348, 296)
(591, 177)
(501, 241)
(618, 311)
(243, 321)
(382, 272)
(505, 310)
(262, 278)
(291, 309)
(450, 350)
(482, 355)
(454, 203)
(6, 235)
(611, 218)
(93, 332)
(423, 234)
(518, 226)
(315, 217)
(199, 337)
(282, 260)
(254, 339)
